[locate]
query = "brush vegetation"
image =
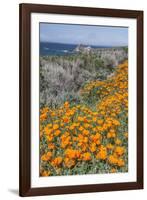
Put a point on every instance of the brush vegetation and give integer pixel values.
(62, 77)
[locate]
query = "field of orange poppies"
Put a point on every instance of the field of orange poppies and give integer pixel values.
(88, 138)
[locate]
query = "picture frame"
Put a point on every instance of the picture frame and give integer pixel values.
(26, 122)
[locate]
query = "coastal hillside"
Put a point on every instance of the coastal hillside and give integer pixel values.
(63, 76)
(89, 135)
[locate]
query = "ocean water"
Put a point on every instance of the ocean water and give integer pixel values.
(56, 49)
(47, 49)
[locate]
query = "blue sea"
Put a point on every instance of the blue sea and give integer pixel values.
(56, 48)
(47, 49)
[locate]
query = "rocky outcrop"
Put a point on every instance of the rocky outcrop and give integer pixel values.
(83, 49)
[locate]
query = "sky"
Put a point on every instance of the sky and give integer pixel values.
(84, 34)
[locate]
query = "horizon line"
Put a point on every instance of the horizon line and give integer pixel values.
(123, 45)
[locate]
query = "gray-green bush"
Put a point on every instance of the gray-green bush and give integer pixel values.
(61, 77)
